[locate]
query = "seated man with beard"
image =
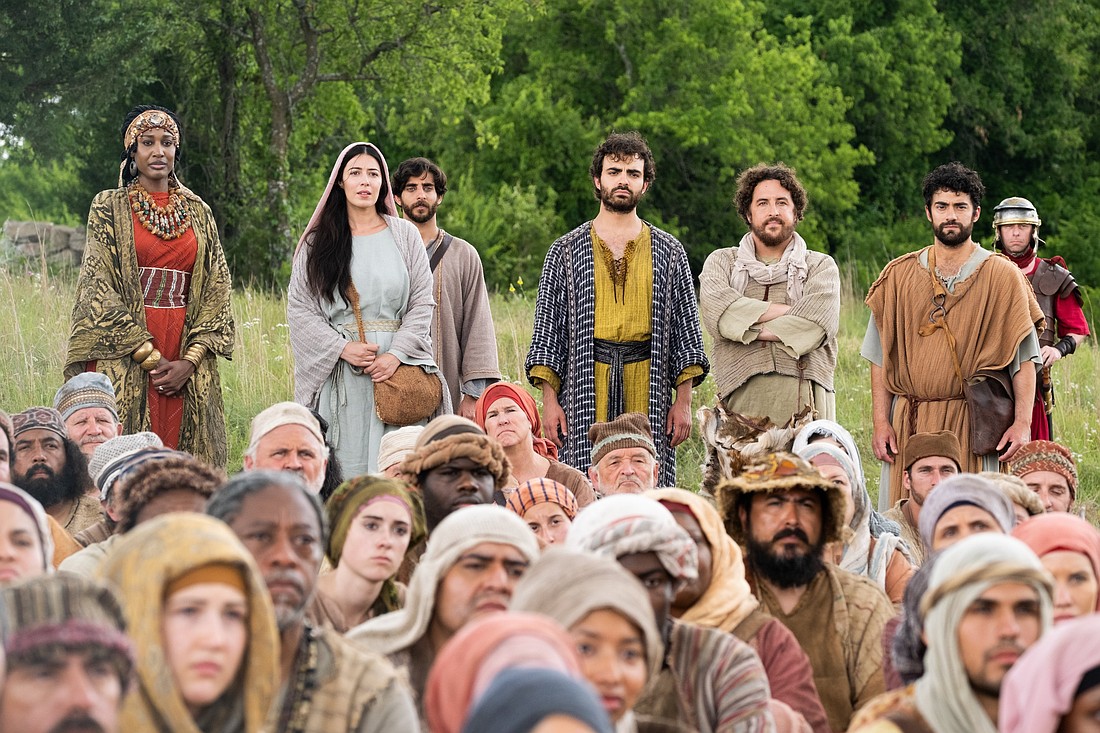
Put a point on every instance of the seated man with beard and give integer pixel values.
(784, 512)
(51, 468)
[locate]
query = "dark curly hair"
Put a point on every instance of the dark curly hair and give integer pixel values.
(158, 476)
(624, 146)
(955, 177)
(750, 178)
(418, 167)
(128, 153)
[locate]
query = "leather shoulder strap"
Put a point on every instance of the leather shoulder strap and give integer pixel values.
(441, 250)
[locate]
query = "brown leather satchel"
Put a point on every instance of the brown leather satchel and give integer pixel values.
(989, 398)
(410, 395)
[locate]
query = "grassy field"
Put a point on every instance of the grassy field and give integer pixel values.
(34, 324)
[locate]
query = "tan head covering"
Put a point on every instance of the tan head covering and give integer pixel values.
(1016, 491)
(280, 414)
(542, 491)
(459, 531)
(449, 437)
(396, 445)
(140, 567)
(567, 585)
(728, 600)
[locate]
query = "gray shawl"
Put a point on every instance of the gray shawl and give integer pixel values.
(317, 345)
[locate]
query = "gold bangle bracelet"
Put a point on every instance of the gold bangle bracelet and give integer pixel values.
(142, 352)
(151, 361)
(192, 359)
(195, 351)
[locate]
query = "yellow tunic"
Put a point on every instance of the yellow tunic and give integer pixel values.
(622, 314)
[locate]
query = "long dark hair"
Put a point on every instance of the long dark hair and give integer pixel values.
(128, 153)
(328, 266)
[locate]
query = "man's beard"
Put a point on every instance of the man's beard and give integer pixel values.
(420, 217)
(786, 570)
(956, 239)
(773, 240)
(619, 206)
(78, 722)
(50, 488)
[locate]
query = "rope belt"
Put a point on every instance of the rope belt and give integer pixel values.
(914, 402)
(617, 354)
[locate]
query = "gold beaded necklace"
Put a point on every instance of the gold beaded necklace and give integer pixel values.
(165, 222)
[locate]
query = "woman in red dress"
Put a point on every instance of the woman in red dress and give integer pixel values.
(152, 310)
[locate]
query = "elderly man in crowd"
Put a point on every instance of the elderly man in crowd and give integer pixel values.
(961, 506)
(69, 662)
(87, 406)
(988, 600)
(328, 685)
(624, 456)
(784, 512)
(1049, 470)
(473, 560)
(710, 681)
(287, 437)
(51, 468)
(929, 459)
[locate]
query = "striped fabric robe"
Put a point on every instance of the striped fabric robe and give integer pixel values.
(562, 338)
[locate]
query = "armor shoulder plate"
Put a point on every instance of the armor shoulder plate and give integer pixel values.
(1052, 279)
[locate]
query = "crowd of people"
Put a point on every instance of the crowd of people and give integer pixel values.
(413, 545)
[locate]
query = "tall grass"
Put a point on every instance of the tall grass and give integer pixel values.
(34, 325)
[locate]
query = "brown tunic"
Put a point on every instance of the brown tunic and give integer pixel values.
(839, 622)
(990, 313)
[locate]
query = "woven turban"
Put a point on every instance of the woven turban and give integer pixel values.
(449, 437)
(1046, 455)
(542, 491)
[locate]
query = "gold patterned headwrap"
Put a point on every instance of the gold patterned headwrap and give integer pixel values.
(150, 119)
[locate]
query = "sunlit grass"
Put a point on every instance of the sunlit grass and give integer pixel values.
(34, 327)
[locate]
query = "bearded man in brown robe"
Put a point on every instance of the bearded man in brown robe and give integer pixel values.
(939, 316)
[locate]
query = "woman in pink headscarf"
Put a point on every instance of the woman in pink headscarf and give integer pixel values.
(1055, 685)
(1069, 548)
(359, 305)
(466, 665)
(508, 413)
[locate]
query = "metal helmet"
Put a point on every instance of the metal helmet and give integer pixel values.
(1016, 210)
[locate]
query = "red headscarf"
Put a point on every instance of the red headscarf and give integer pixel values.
(526, 402)
(1061, 531)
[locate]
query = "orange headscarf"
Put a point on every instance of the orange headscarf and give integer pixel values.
(526, 402)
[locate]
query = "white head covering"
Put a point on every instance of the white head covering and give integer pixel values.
(833, 430)
(388, 204)
(625, 524)
(963, 572)
(457, 533)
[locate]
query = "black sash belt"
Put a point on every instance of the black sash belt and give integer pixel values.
(617, 354)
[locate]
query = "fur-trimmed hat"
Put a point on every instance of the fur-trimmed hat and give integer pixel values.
(449, 437)
(780, 472)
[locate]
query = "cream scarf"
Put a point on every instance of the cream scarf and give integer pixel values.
(791, 268)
